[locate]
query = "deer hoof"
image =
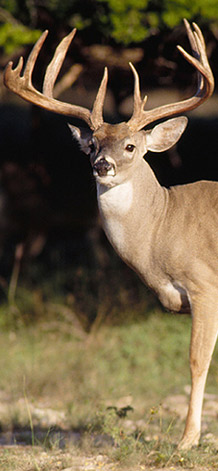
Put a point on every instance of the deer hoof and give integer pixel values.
(189, 441)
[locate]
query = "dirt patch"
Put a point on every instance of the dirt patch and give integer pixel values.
(20, 458)
(61, 448)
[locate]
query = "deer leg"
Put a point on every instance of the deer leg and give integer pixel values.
(203, 339)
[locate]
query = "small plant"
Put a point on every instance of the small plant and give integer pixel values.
(122, 411)
(125, 444)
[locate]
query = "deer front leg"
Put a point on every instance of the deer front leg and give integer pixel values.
(203, 339)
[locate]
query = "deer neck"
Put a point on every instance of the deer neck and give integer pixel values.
(131, 210)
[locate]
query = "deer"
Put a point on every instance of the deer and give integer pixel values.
(168, 236)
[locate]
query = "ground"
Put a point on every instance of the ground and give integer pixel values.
(48, 445)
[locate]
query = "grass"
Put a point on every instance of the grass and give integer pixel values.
(106, 378)
(116, 361)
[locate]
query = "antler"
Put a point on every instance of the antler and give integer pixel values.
(22, 84)
(141, 118)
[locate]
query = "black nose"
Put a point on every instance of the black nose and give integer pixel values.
(102, 167)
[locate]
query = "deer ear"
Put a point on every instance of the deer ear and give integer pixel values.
(166, 134)
(83, 137)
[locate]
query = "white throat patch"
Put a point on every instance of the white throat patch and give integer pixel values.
(117, 199)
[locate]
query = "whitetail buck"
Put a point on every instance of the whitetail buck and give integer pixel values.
(168, 236)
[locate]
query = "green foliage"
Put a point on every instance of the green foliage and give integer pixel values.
(125, 21)
(9, 6)
(128, 20)
(133, 20)
(174, 12)
(13, 32)
(13, 36)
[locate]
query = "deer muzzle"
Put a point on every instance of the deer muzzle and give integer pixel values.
(103, 168)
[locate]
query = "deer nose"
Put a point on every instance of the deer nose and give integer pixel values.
(102, 167)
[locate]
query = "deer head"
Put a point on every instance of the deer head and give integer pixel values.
(113, 149)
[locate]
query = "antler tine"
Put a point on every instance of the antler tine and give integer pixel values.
(205, 84)
(33, 57)
(202, 50)
(10, 75)
(54, 67)
(138, 103)
(97, 110)
(192, 36)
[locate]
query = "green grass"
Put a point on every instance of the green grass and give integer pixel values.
(130, 359)
(109, 376)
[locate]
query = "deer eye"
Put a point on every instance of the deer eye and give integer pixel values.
(92, 147)
(130, 148)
